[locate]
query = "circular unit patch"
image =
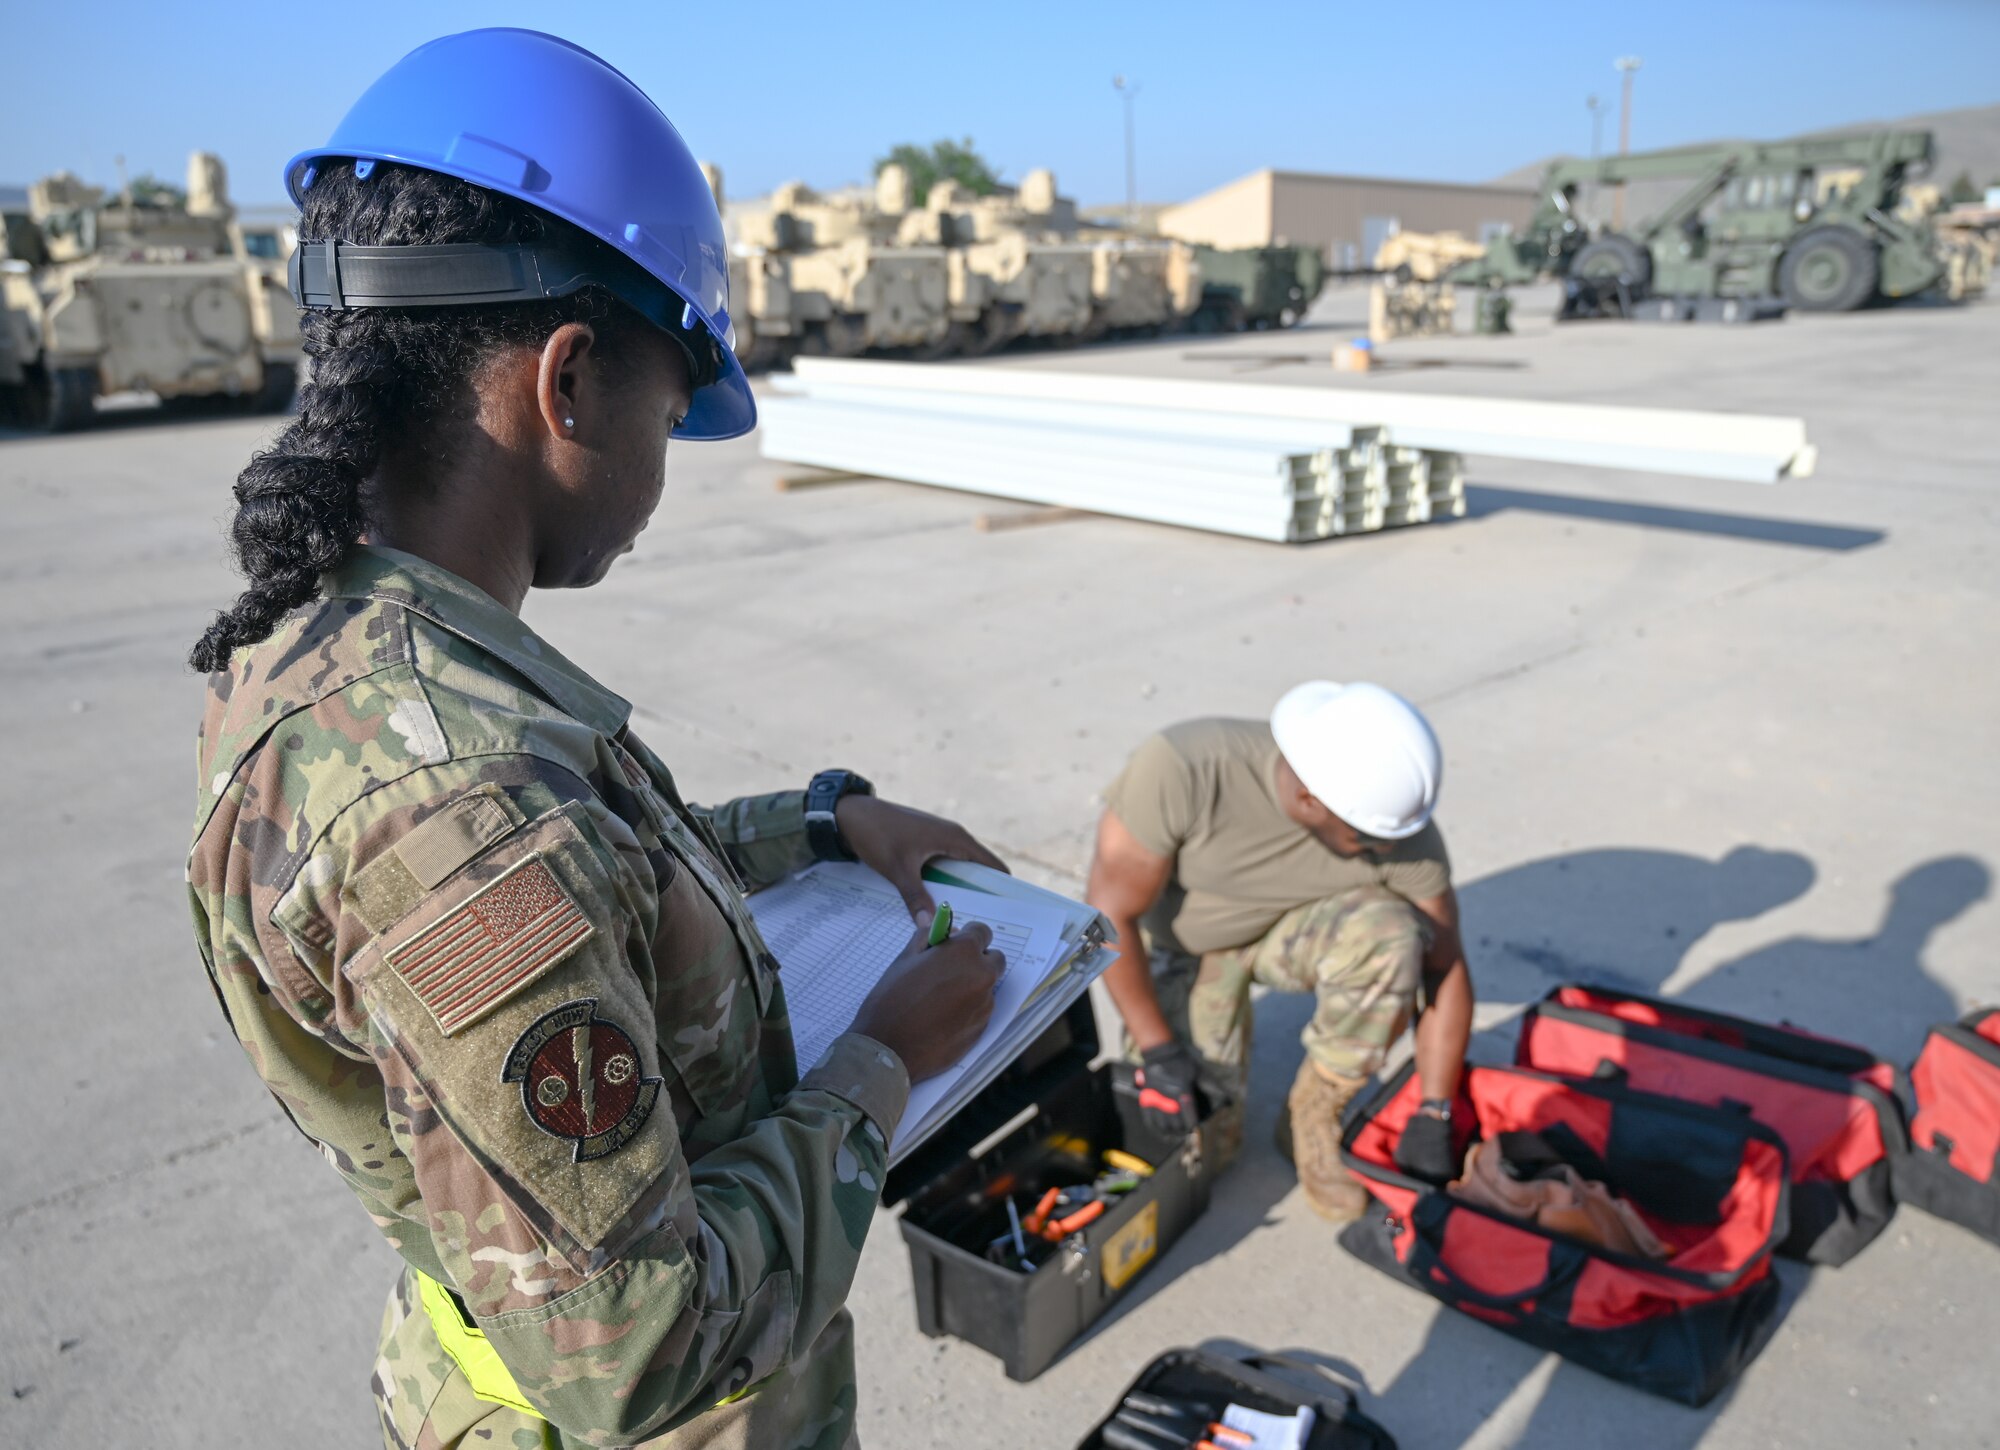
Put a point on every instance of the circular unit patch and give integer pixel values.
(580, 1079)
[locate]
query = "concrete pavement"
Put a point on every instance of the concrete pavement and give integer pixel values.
(1702, 738)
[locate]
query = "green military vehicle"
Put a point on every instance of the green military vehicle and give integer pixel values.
(1246, 287)
(1751, 223)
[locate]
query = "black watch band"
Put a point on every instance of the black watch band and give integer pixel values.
(827, 790)
(1436, 1107)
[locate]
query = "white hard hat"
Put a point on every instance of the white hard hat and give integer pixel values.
(1365, 752)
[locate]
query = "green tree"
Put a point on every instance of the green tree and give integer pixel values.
(958, 161)
(149, 190)
(1962, 189)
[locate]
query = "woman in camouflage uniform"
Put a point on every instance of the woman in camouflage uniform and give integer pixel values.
(462, 921)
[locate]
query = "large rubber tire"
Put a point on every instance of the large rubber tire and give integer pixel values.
(58, 401)
(1615, 258)
(1218, 313)
(1829, 269)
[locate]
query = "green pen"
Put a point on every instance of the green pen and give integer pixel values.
(940, 925)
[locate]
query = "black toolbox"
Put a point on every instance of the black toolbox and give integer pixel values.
(1276, 1384)
(1045, 1122)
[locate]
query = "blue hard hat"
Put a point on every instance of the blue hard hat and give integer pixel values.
(536, 118)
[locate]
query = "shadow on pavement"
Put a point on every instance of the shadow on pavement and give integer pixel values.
(128, 414)
(1871, 989)
(1485, 500)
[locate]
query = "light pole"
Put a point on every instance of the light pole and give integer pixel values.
(1596, 143)
(1626, 65)
(1128, 93)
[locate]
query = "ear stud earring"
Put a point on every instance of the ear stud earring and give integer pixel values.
(569, 422)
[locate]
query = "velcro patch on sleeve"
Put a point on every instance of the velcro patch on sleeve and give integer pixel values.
(493, 944)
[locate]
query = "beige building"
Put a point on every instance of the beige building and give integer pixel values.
(1346, 217)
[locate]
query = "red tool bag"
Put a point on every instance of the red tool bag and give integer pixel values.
(1950, 1169)
(1712, 1184)
(1838, 1107)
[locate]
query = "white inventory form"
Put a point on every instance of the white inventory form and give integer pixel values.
(836, 927)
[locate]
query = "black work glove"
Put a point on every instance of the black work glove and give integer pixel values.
(1425, 1149)
(1166, 1083)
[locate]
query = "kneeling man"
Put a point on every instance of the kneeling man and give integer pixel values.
(1301, 854)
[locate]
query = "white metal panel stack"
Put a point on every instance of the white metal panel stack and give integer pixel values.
(1261, 478)
(1263, 461)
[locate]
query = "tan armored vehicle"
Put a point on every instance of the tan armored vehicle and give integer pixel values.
(1142, 285)
(868, 270)
(845, 285)
(1425, 256)
(1047, 279)
(760, 291)
(102, 295)
(1015, 269)
(1968, 238)
(1412, 299)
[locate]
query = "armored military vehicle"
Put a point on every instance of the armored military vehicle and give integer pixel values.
(1045, 276)
(1256, 287)
(101, 295)
(1142, 287)
(1017, 270)
(1751, 223)
(1410, 297)
(870, 271)
(1968, 236)
(1424, 256)
(826, 275)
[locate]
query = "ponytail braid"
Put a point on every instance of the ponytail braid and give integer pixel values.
(376, 376)
(298, 503)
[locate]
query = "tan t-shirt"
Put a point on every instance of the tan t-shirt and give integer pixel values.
(1204, 793)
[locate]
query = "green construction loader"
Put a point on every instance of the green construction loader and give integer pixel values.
(1753, 222)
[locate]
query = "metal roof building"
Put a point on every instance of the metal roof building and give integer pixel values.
(1346, 217)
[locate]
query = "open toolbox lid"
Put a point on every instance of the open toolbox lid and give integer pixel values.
(1055, 1060)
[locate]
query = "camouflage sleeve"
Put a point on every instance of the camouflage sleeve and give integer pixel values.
(545, 996)
(764, 836)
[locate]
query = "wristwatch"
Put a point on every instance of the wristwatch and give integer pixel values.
(1436, 1108)
(827, 790)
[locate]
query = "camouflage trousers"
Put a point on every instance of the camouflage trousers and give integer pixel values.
(1359, 953)
(425, 1403)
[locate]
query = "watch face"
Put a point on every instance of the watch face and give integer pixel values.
(838, 783)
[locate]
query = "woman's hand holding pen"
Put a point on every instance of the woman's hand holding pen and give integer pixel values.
(934, 1001)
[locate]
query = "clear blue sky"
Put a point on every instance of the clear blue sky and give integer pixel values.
(778, 90)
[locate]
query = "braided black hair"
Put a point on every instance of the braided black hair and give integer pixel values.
(377, 376)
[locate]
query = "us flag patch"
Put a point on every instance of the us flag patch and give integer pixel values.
(495, 943)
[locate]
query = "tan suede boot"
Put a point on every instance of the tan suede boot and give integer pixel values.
(1312, 1113)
